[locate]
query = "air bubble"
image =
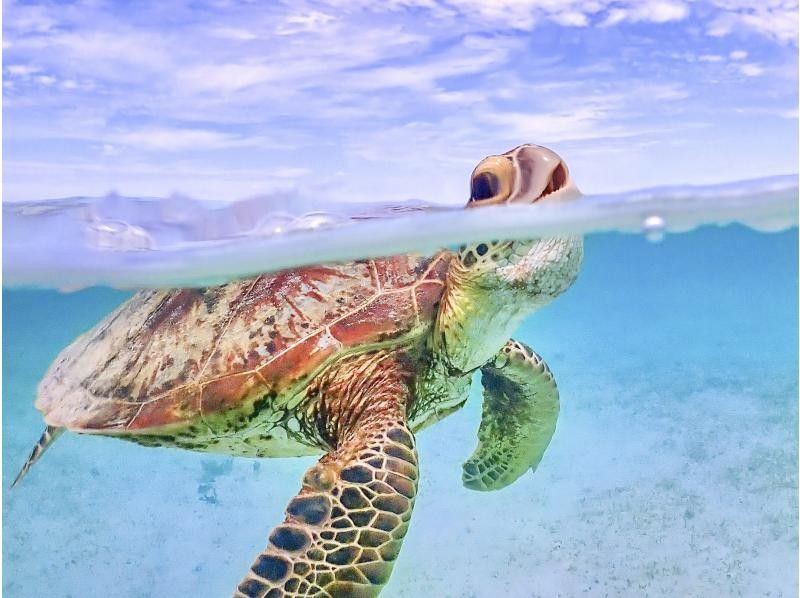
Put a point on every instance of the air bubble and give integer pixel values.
(653, 228)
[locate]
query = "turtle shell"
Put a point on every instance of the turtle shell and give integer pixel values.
(169, 358)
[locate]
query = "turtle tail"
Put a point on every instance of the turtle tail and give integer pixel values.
(48, 437)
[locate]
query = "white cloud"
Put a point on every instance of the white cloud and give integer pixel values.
(738, 55)
(175, 140)
(570, 18)
(26, 19)
(652, 11)
(710, 58)
(118, 55)
(225, 78)
(791, 113)
(615, 16)
(310, 22)
(775, 19)
(134, 48)
(22, 70)
(751, 70)
(570, 125)
(591, 115)
(659, 11)
(289, 172)
(661, 92)
(472, 56)
(527, 14)
(233, 33)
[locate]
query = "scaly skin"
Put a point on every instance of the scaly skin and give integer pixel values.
(520, 409)
(343, 531)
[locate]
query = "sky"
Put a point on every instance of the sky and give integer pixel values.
(391, 99)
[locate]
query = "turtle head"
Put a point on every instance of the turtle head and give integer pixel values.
(541, 268)
(524, 175)
(495, 284)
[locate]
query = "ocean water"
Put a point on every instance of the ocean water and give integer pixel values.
(673, 470)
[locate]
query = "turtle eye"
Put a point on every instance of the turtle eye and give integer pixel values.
(484, 186)
(491, 181)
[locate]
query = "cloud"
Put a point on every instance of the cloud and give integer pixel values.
(791, 113)
(225, 78)
(585, 123)
(473, 55)
(114, 56)
(21, 70)
(751, 70)
(774, 19)
(570, 18)
(592, 114)
(175, 140)
(528, 14)
(652, 11)
(233, 33)
(310, 22)
(28, 19)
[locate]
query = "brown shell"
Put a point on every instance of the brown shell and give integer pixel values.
(167, 358)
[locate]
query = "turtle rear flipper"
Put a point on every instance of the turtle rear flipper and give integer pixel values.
(520, 409)
(343, 531)
(47, 438)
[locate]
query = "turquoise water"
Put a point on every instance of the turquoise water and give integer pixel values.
(673, 470)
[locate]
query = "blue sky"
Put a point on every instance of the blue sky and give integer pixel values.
(391, 99)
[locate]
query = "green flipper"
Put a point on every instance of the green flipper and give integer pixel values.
(520, 409)
(343, 531)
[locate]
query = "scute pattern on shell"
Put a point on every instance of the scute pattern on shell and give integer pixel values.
(170, 357)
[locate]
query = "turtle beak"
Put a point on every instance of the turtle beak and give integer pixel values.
(540, 174)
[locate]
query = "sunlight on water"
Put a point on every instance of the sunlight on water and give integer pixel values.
(138, 242)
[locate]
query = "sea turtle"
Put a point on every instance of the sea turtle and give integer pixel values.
(350, 360)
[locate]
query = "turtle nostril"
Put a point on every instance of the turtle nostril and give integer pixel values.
(558, 179)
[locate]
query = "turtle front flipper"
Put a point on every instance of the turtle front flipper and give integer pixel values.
(520, 409)
(343, 531)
